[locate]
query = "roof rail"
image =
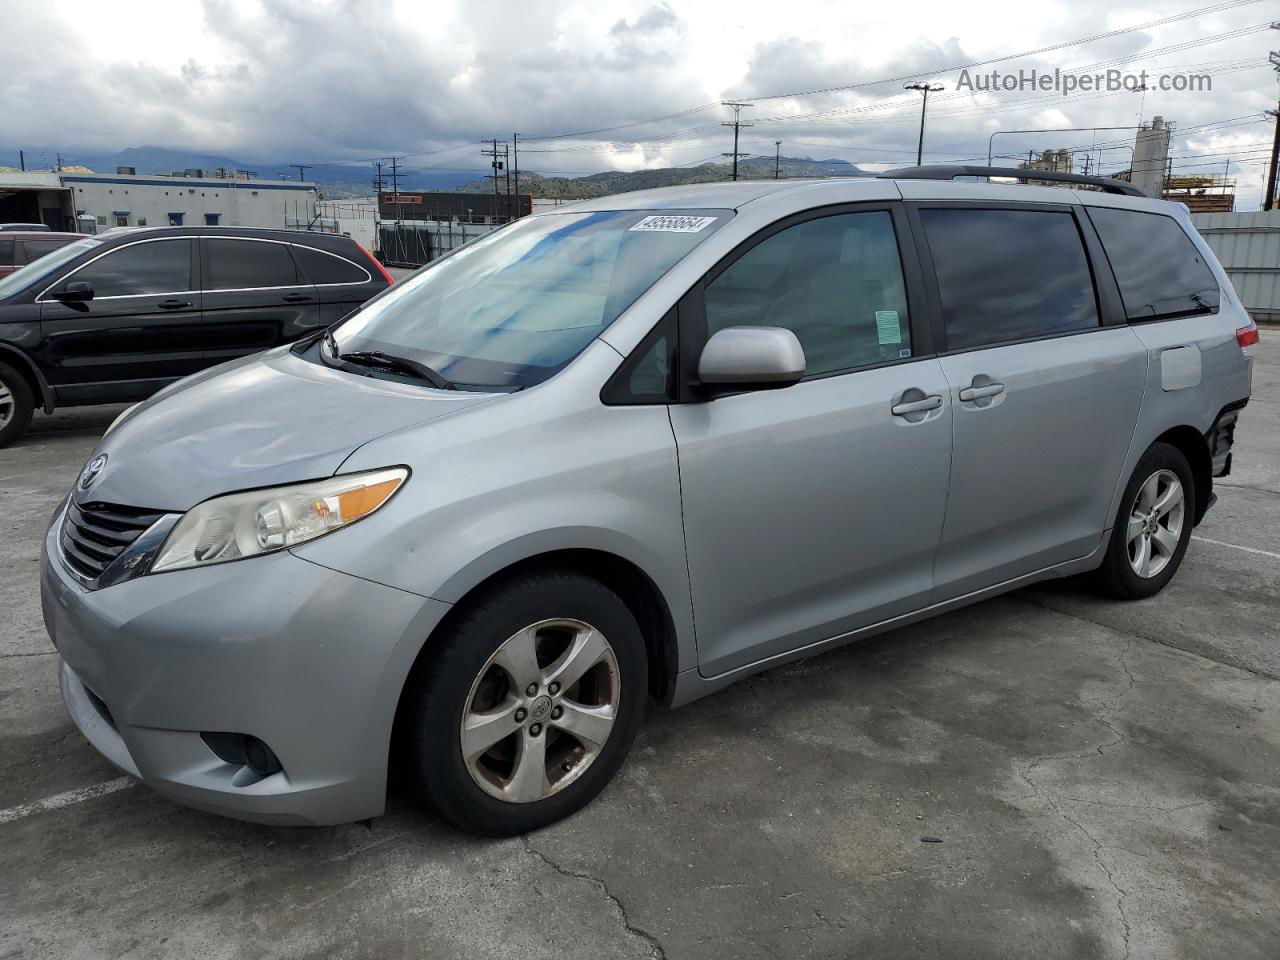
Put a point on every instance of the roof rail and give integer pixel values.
(951, 171)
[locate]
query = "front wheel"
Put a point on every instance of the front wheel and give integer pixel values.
(1153, 527)
(529, 704)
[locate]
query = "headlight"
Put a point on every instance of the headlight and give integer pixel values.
(263, 521)
(116, 422)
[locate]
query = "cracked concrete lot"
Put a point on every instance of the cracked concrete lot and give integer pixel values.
(1094, 779)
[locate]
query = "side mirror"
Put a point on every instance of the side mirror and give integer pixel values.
(78, 291)
(751, 358)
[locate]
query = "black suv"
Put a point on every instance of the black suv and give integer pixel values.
(114, 318)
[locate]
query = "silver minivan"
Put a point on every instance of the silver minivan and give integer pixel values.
(635, 448)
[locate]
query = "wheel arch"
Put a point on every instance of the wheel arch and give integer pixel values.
(633, 585)
(1192, 444)
(35, 380)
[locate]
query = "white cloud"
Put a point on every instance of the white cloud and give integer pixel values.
(337, 79)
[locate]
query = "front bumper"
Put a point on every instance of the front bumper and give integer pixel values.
(307, 659)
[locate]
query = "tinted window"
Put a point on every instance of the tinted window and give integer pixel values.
(161, 266)
(35, 249)
(6, 250)
(836, 282)
(1158, 268)
(246, 264)
(321, 267)
(1009, 274)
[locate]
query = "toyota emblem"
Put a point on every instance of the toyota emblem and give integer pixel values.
(91, 471)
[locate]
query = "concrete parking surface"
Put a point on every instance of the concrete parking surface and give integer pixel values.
(1047, 774)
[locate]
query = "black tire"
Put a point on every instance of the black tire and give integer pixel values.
(442, 687)
(1117, 576)
(21, 407)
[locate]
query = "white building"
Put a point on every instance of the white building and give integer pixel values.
(129, 200)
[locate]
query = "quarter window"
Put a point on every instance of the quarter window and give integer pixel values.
(1160, 272)
(161, 266)
(321, 267)
(249, 264)
(1008, 275)
(836, 282)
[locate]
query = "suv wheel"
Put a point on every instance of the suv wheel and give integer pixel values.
(1153, 527)
(530, 705)
(16, 404)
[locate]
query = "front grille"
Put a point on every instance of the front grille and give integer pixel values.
(94, 534)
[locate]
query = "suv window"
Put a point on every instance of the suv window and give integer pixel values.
(156, 266)
(248, 264)
(1009, 274)
(836, 282)
(1160, 272)
(6, 251)
(321, 267)
(35, 249)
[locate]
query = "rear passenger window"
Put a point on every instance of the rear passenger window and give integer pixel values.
(33, 250)
(1009, 275)
(321, 267)
(1160, 272)
(6, 251)
(836, 282)
(248, 264)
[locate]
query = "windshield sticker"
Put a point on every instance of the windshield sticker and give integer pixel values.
(888, 329)
(670, 224)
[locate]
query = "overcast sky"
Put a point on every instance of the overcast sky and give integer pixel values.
(331, 81)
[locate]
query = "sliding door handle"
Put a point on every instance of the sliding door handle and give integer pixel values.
(981, 393)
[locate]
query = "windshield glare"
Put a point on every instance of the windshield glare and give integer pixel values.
(33, 273)
(512, 309)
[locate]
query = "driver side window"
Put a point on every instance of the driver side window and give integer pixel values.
(836, 282)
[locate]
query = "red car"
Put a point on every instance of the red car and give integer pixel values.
(20, 247)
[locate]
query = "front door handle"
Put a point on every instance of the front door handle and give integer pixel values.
(296, 298)
(173, 304)
(980, 393)
(916, 406)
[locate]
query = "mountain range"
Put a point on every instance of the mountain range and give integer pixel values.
(340, 180)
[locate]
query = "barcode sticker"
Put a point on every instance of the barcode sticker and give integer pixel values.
(674, 224)
(888, 329)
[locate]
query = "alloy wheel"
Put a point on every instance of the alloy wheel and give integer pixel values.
(1155, 523)
(540, 710)
(7, 404)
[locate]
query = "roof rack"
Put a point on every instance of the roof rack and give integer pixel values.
(951, 171)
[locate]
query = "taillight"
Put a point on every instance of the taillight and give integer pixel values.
(1248, 338)
(377, 264)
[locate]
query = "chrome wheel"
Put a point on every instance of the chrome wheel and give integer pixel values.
(540, 711)
(7, 404)
(1155, 523)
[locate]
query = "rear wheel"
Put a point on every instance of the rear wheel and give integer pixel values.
(1153, 527)
(530, 706)
(16, 404)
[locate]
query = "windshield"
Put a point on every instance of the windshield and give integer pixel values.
(32, 273)
(512, 309)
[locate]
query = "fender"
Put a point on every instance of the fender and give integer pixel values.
(46, 392)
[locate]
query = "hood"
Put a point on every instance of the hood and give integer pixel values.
(265, 420)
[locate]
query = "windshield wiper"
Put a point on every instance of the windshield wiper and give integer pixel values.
(389, 361)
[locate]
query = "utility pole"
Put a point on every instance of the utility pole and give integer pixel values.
(515, 167)
(395, 190)
(1270, 202)
(736, 124)
(925, 89)
(22, 161)
(59, 162)
(302, 169)
(777, 159)
(495, 165)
